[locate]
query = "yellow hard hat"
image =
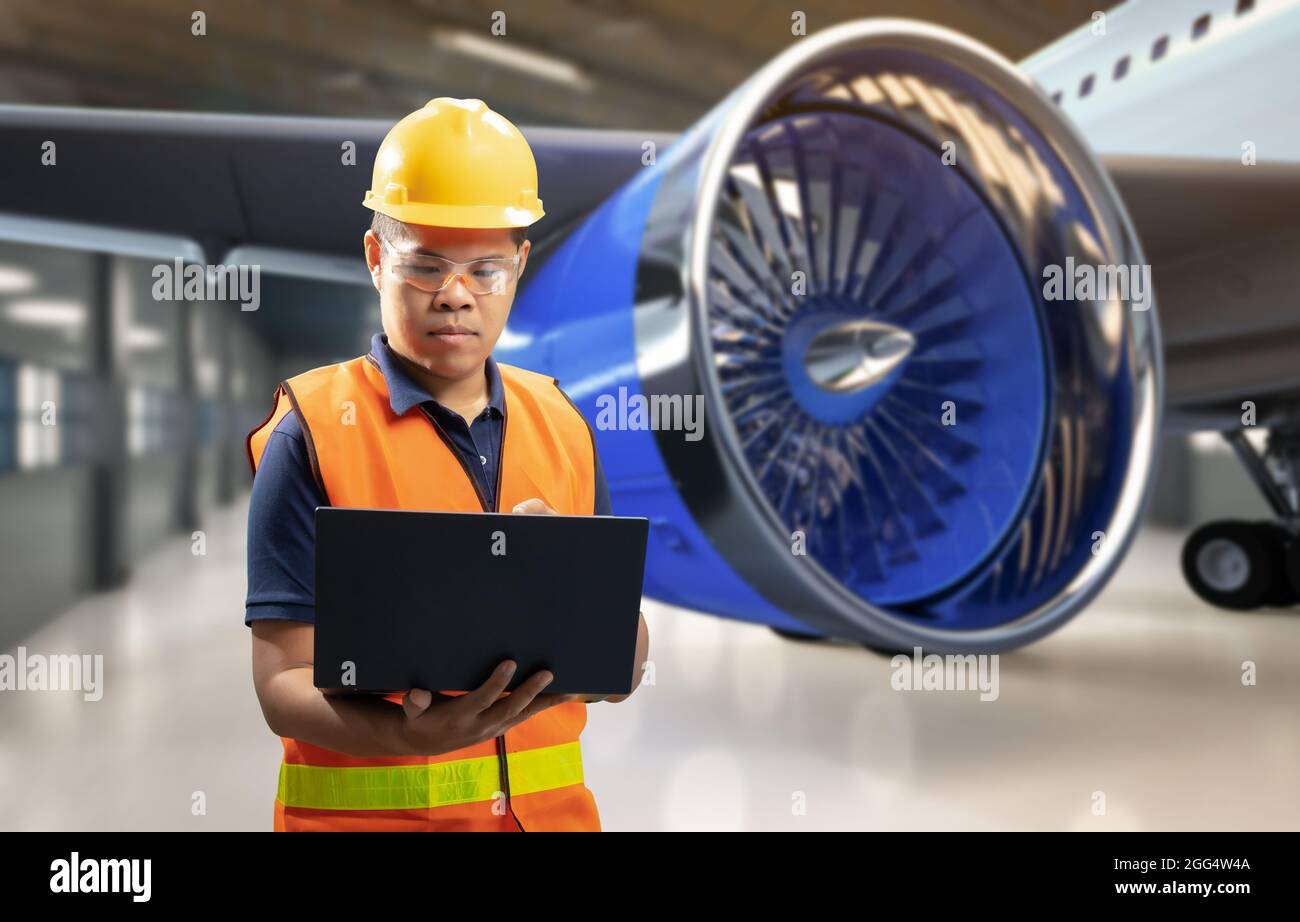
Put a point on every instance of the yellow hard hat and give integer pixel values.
(456, 163)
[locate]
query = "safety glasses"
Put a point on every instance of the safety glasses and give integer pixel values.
(433, 273)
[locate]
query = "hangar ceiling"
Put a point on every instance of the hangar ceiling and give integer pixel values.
(605, 63)
(649, 66)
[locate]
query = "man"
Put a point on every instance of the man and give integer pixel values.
(426, 420)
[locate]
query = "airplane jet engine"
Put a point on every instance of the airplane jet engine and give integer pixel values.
(901, 436)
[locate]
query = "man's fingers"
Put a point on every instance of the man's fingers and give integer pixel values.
(534, 506)
(517, 700)
(536, 706)
(481, 698)
(416, 701)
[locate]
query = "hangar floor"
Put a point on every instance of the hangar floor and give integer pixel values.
(1140, 698)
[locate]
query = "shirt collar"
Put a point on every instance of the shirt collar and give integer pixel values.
(404, 392)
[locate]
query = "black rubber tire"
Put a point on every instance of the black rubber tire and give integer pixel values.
(1280, 542)
(1261, 554)
(1293, 565)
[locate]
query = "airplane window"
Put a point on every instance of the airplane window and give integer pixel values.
(1245, 6)
(1056, 97)
(1121, 67)
(1159, 48)
(1201, 26)
(1086, 86)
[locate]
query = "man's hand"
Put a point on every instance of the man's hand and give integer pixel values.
(442, 723)
(534, 506)
(371, 726)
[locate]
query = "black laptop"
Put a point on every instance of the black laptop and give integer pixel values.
(437, 599)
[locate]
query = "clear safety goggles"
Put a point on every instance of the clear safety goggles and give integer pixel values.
(433, 273)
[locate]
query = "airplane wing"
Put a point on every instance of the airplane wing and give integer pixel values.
(288, 187)
(1222, 240)
(985, 536)
(281, 191)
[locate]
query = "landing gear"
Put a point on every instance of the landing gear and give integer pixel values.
(1239, 565)
(1244, 565)
(1293, 565)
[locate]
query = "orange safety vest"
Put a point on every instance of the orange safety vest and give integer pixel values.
(364, 455)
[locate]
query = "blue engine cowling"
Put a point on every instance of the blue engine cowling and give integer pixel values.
(903, 440)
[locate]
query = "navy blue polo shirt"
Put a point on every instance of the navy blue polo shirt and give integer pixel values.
(282, 509)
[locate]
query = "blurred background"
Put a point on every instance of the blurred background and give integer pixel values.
(99, 513)
(196, 376)
(598, 63)
(193, 378)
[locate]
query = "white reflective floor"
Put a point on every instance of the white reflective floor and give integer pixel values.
(1136, 709)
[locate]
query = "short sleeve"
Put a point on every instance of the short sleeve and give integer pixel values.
(282, 530)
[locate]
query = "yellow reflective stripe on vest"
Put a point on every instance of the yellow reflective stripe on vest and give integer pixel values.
(440, 784)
